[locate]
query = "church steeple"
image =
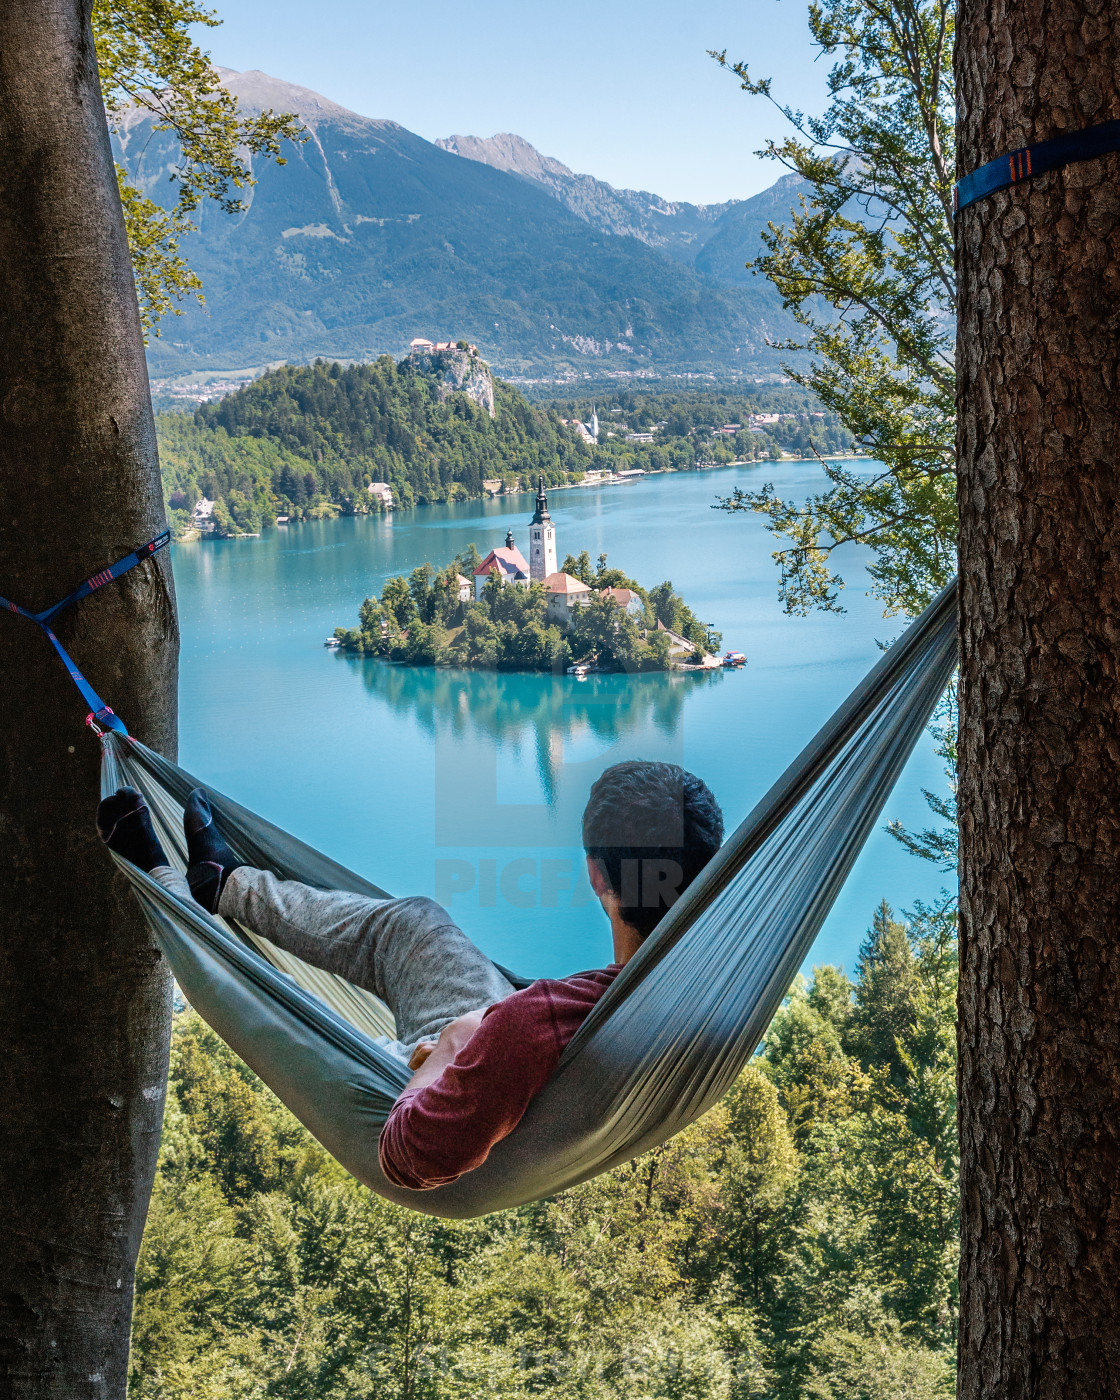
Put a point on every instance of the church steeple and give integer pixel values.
(542, 539)
(509, 539)
(541, 516)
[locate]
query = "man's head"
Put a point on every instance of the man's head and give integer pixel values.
(648, 830)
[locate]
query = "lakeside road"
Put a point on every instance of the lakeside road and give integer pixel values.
(469, 786)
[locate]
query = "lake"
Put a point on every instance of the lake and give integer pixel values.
(469, 786)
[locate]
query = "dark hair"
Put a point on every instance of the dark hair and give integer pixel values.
(652, 828)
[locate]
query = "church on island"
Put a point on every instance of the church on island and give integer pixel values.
(511, 565)
(434, 618)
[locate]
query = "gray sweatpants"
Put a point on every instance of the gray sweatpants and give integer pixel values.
(408, 952)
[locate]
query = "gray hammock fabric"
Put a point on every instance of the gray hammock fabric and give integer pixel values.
(670, 1035)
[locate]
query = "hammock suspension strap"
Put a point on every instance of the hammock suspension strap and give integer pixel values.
(100, 713)
(1028, 161)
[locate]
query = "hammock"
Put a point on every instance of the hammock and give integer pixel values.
(672, 1032)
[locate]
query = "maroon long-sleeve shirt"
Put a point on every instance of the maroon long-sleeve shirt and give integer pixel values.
(436, 1133)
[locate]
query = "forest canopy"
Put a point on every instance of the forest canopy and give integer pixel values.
(312, 437)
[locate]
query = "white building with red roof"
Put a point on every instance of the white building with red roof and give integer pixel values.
(565, 593)
(626, 598)
(507, 562)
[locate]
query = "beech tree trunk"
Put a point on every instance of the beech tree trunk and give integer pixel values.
(84, 995)
(1039, 442)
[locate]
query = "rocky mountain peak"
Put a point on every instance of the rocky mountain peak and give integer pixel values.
(506, 151)
(259, 92)
(675, 228)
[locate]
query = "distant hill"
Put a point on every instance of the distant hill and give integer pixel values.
(308, 439)
(371, 235)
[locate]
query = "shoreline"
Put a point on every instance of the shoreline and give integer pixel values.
(673, 670)
(193, 535)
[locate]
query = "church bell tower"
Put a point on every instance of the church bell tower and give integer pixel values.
(542, 539)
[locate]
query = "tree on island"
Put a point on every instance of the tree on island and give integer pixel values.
(579, 566)
(866, 265)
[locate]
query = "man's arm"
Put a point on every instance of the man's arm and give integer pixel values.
(470, 1091)
(431, 1057)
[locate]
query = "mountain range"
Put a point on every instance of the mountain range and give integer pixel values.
(370, 235)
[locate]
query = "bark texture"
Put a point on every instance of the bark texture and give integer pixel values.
(84, 995)
(1039, 442)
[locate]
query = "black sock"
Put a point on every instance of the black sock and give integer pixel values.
(209, 860)
(125, 825)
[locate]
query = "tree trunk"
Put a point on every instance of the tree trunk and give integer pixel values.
(84, 995)
(1038, 442)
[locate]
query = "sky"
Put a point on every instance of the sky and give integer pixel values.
(618, 89)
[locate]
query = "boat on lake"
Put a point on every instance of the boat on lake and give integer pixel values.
(733, 659)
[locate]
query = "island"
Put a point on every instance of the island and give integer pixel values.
(503, 612)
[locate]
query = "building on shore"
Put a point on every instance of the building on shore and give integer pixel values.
(202, 517)
(383, 492)
(564, 594)
(678, 645)
(626, 599)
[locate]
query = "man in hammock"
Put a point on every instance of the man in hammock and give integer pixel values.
(480, 1049)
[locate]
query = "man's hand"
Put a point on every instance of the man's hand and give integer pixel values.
(431, 1057)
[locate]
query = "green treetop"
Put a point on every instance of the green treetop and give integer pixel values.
(150, 64)
(866, 266)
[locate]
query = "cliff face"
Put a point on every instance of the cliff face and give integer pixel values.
(458, 371)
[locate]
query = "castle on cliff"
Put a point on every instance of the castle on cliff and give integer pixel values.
(420, 346)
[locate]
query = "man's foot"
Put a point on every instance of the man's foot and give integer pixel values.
(209, 860)
(125, 825)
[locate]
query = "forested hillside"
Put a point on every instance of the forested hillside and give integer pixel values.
(306, 440)
(310, 438)
(798, 1243)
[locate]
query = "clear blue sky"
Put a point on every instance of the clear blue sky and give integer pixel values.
(619, 89)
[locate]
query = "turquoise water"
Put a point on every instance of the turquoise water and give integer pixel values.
(469, 786)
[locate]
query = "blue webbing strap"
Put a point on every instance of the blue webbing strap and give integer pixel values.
(99, 711)
(1029, 161)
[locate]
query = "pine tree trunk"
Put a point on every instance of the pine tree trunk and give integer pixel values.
(1038, 442)
(84, 995)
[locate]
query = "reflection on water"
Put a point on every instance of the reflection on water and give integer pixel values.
(561, 717)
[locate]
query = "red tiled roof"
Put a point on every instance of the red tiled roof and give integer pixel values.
(506, 561)
(565, 583)
(622, 596)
